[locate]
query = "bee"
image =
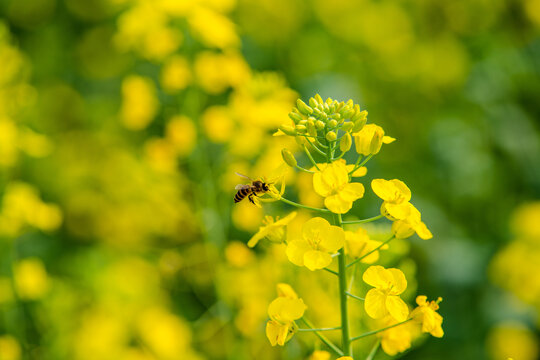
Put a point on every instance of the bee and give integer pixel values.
(250, 190)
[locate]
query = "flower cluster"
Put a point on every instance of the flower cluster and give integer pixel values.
(327, 130)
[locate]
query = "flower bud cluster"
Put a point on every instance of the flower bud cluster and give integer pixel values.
(325, 119)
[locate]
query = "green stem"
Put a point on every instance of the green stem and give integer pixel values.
(311, 157)
(359, 165)
(371, 252)
(363, 221)
(323, 338)
(354, 296)
(331, 271)
(351, 280)
(346, 344)
(304, 169)
(303, 206)
(321, 329)
(378, 331)
(315, 147)
(374, 350)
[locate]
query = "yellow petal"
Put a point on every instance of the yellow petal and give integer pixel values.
(421, 300)
(402, 229)
(337, 205)
(361, 171)
(332, 239)
(286, 290)
(392, 191)
(296, 250)
(399, 282)
(352, 191)
(398, 211)
(320, 186)
(397, 308)
(313, 227)
(388, 139)
(378, 277)
(273, 329)
(375, 304)
(285, 309)
(315, 260)
(422, 231)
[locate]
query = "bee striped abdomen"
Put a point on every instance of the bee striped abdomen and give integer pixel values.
(241, 194)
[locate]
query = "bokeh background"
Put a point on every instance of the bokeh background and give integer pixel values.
(122, 123)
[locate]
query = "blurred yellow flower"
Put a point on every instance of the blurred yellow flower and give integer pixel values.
(164, 333)
(332, 182)
(358, 244)
(175, 74)
(396, 196)
(384, 298)
(273, 230)
(9, 348)
(282, 312)
(238, 254)
(31, 280)
(139, 102)
(286, 291)
(181, 132)
(320, 355)
(218, 124)
(319, 240)
(426, 314)
(215, 72)
(213, 29)
(512, 339)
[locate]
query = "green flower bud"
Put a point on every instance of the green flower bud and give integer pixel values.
(303, 107)
(332, 123)
(287, 129)
(288, 157)
(319, 125)
(345, 142)
(300, 128)
(319, 98)
(302, 122)
(331, 136)
(359, 121)
(347, 112)
(336, 116)
(350, 103)
(329, 101)
(347, 126)
(317, 112)
(313, 103)
(296, 117)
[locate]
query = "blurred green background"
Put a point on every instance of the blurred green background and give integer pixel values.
(122, 123)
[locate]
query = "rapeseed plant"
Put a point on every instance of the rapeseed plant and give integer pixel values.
(328, 129)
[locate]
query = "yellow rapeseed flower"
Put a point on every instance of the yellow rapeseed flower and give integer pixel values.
(427, 315)
(369, 139)
(332, 182)
(396, 339)
(358, 244)
(283, 311)
(384, 298)
(31, 280)
(273, 230)
(396, 196)
(320, 355)
(411, 224)
(319, 240)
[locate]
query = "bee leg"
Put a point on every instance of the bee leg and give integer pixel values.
(250, 198)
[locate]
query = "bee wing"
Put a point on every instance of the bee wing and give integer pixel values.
(244, 176)
(242, 186)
